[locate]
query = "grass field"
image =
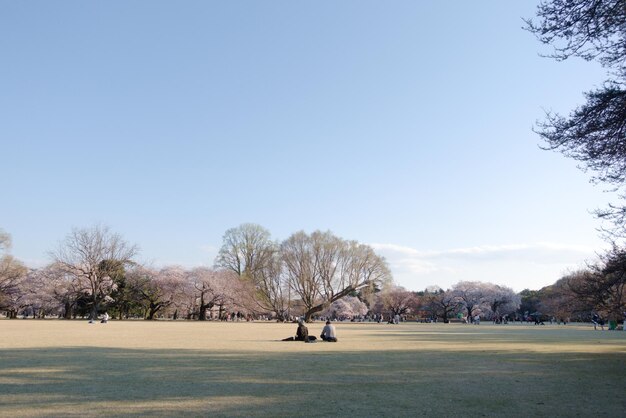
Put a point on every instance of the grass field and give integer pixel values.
(71, 368)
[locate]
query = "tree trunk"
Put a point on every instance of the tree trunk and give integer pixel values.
(308, 314)
(68, 311)
(202, 313)
(152, 311)
(94, 312)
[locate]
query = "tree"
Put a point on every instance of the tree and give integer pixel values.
(442, 304)
(322, 268)
(604, 286)
(270, 291)
(589, 29)
(471, 294)
(5, 241)
(530, 302)
(349, 307)
(398, 300)
(594, 133)
(92, 256)
(245, 250)
(249, 252)
(12, 274)
(61, 287)
(39, 297)
(500, 300)
(157, 290)
(558, 300)
(211, 288)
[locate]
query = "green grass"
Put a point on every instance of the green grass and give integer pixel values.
(57, 368)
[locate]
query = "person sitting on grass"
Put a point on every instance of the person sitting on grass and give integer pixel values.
(328, 333)
(302, 333)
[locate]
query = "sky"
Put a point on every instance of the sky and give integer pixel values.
(404, 125)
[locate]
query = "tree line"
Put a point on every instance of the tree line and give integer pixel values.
(311, 275)
(95, 270)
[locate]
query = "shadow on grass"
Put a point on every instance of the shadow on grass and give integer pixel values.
(106, 381)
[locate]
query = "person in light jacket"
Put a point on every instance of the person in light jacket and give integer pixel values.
(328, 333)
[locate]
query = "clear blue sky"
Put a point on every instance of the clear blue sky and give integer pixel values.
(405, 125)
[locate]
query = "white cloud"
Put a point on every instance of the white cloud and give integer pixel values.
(488, 250)
(516, 265)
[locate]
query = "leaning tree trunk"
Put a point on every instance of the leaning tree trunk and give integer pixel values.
(308, 314)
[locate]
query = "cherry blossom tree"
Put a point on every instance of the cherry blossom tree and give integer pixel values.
(499, 300)
(398, 301)
(5, 240)
(40, 294)
(212, 288)
(12, 275)
(472, 295)
(158, 290)
(92, 256)
(348, 307)
(442, 304)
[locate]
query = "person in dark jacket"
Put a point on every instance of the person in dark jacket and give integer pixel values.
(302, 333)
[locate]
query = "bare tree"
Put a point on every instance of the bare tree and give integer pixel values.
(558, 300)
(249, 252)
(594, 133)
(246, 250)
(604, 285)
(322, 268)
(91, 256)
(271, 292)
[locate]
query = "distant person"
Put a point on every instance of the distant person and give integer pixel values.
(477, 320)
(302, 333)
(328, 333)
(595, 318)
(105, 318)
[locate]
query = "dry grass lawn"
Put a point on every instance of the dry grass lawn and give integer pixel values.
(134, 368)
